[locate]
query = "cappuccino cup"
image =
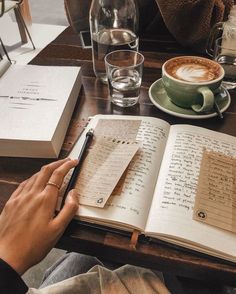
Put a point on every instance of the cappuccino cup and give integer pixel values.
(191, 81)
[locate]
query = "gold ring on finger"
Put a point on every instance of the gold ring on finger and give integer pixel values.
(53, 184)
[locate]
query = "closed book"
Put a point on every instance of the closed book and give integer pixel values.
(36, 105)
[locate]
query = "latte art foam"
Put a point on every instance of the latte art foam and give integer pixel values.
(194, 73)
(193, 69)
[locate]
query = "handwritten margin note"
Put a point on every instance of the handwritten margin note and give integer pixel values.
(215, 202)
(102, 169)
(122, 129)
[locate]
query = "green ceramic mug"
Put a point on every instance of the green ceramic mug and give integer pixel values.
(191, 81)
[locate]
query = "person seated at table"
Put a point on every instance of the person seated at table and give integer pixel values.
(188, 21)
(29, 229)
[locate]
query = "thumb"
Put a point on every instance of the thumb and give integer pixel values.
(69, 209)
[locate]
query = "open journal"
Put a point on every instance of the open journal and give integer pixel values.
(159, 186)
(36, 105)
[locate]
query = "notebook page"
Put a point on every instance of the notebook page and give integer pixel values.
(172, 207)
(132, 205)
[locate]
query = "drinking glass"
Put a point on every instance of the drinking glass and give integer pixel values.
(124, 70)
(225, 54)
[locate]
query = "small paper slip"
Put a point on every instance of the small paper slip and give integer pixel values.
(121, 129)
(215, 202)
(102, 169)
(117, 128)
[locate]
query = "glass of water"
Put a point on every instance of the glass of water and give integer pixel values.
(225, 55)
(124, 70)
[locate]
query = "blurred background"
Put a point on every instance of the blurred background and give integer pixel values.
(48, 21)
(48, 12)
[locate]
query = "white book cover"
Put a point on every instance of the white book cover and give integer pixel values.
(36, 105)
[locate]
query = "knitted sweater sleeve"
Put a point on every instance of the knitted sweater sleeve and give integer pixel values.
(190, 21)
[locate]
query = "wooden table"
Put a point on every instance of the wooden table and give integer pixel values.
(66, 50)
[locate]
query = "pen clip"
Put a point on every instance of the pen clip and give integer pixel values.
(90, 133)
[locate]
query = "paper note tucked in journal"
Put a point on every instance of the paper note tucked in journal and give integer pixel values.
(117, 128)
(102, 169)
(122, 129)
(215, 202)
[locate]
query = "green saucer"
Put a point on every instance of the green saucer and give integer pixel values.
(159, 98)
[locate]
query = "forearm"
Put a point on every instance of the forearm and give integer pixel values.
(10, 280)
(190, 21)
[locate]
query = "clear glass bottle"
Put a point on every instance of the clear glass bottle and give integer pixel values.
(113, 26)
(226, 30)
(229, 30)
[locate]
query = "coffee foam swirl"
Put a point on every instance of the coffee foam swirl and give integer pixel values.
(194, 73)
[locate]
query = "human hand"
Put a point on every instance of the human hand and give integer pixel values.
(28, 225)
